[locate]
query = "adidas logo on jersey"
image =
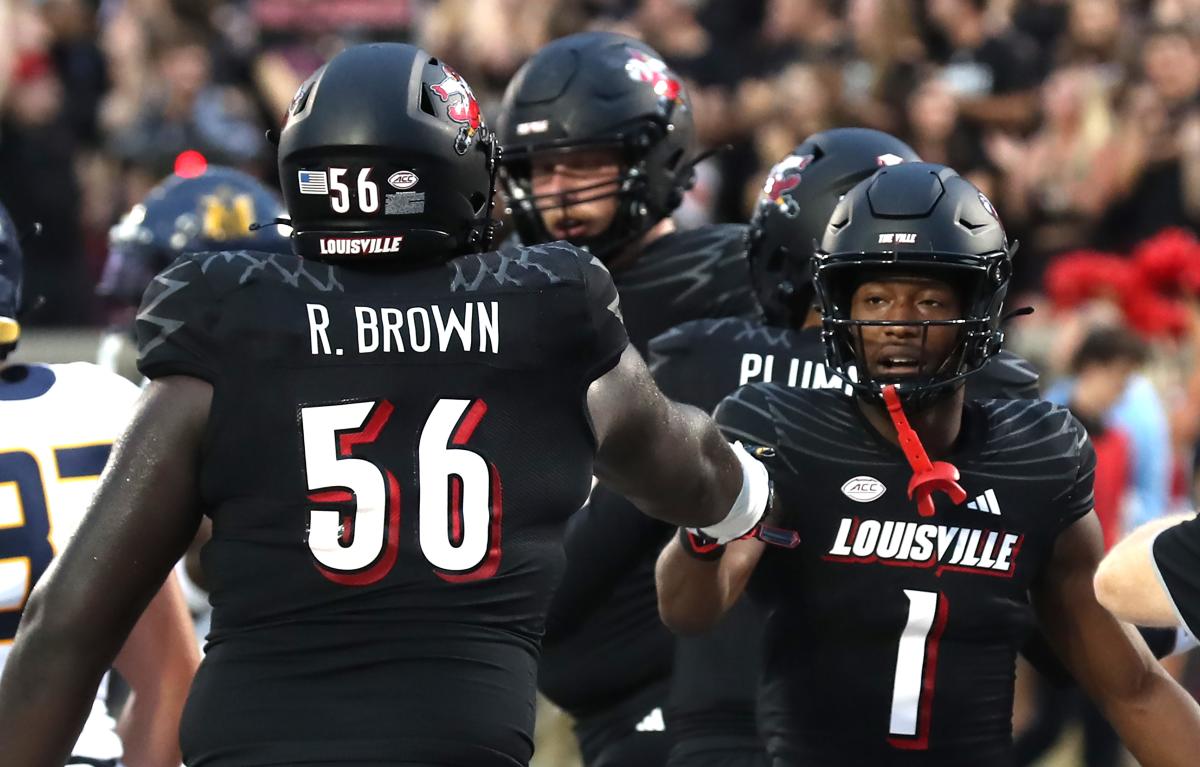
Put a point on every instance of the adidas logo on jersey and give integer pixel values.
(986, 503)
(922, 544)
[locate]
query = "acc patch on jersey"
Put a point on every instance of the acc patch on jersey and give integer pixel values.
(863, 489)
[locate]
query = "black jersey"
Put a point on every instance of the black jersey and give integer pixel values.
(1177, 557)
(605, 644)
(702, 361)
(891, 638)
(390, 460)
(687, 275)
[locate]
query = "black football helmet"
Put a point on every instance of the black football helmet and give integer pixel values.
(12, 272)
(914, 219)
(800, 193)
(385, 153)
(221, 209)
(598, 90)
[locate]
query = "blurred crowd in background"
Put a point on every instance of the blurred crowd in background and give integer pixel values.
(1079, 118)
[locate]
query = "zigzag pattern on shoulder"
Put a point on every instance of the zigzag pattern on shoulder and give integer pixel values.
(516, 266)
(291, 270)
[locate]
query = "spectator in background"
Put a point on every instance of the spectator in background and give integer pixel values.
(80, 65)
(1159, 163)
(800, 30)
(1102, 368)
(1139, 412)
(187, 110)
(991, 73)
(37, 175)
(1057, 183)
(1099, 33)
(882, 68)
(938, 133)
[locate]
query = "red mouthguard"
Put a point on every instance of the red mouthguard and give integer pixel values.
(928, 477)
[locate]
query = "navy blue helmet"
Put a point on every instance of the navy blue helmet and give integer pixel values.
(211, 211)
(11, 271)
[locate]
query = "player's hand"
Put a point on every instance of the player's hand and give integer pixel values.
(706, 543)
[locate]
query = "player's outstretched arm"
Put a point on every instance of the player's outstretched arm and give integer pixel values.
(695, 593)
(670, 459)
(1128, 581)
(1158, 721)
(158, 661)
(141, 520)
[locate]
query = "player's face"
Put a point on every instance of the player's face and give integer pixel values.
(574, 180)
(899, 350)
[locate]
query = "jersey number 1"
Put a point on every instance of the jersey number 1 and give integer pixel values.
(460, 507)
(916, 670)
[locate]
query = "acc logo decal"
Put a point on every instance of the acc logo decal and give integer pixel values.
(863, 489)
(783, 178)
(889, 159)
(403, 179)
(647, 69)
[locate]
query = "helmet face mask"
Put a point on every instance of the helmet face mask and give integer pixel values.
(385, 154)
(572, 193)
(794, 206)
(598, 92)
(938, 229)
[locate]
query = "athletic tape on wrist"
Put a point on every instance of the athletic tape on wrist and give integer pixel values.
(751, 502)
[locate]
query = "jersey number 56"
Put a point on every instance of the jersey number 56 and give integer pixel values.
(460, 494)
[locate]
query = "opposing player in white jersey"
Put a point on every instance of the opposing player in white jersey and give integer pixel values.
(57, 424)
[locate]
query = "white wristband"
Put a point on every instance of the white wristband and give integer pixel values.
(751, 502)
(1184, 641)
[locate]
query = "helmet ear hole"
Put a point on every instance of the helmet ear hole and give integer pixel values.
(427, 103)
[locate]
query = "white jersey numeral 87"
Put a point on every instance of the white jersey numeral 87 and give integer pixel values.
(460, 508)
(916, 670)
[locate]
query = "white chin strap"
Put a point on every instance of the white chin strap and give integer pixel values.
(751, 503)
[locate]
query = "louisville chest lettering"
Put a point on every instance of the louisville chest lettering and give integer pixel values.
(922, 544)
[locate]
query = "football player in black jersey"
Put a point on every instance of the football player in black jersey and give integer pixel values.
(929, 522)
(597, 134)
(598, 150)
(711, 715)
(389, 430)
